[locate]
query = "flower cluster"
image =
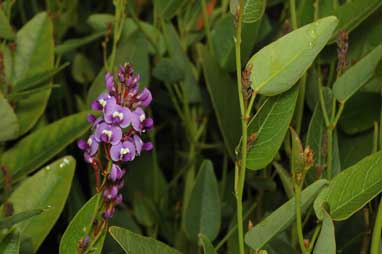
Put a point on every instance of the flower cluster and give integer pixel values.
(118, 130)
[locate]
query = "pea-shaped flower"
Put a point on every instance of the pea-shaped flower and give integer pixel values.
(124, 151)
(108, 133)
(117, 115)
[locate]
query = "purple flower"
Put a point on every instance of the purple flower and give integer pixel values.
(138, 143)
(139, 117)
(124, 151)
(148, 123)
(116, 173)
(109, 212)
(110, 193)
(84, 242)
(116, 114)
(108, 133)
(90, 146)
(91, 118)
(88, 158)
(100, 103)
(109, 81)
(148, 146)
(119, 199)
(144, 98)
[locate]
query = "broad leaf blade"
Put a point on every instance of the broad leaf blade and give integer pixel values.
(6, 30)
(8, 222)
(49, 189)
(278, 66)
(203, 212)
(134, 243)
(80, 227)
(208, 248)
(9, 126)
(326, 242)
(253, 10)
(280, 219)
(350, 190)
(40, 146)
(357, 75)
(270, 124)
(72, 44)
(220, 86)
(11, 243)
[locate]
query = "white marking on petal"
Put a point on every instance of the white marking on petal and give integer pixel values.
(90, 142)
(118, 114)
(107, 133)
(142, 117)
(102, 102)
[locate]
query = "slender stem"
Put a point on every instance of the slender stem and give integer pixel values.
(300, 234)
(330, 152)
(376, 237)
(375, 137)
(338, 115)
(292, 9)
(119, 20)
(314, 237)
(207, 26)
(322, 102)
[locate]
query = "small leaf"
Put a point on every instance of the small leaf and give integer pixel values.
(357, 75)
(73, 44)
(100, 21)
(208, 248)
(168, 8)
(9, 126)
(278, 66)
(253, 10)
(167, 71)
(145, 210)
(80, 227)
(48, 189)
(6, 31)
(354, 187)
(133, 243)
(270, 124)
(40, 146)
(352, 13)
(326, 242)
(281, 218)
(11, 243)
(82, 69)
(203, 212)
(220, 87)
(286, 179)
(8, 222)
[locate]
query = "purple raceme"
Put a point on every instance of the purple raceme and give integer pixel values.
(117, 133)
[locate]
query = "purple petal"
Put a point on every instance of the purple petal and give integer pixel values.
(138, 143)
(148, 123)
(91, 118)
(92, 145)
(82, 144)
(127, 117)
(148, 146)
(115, 152)
(88, 158)
(116, 135)
(109, 80)
(119, 199)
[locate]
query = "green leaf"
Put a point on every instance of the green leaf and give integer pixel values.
(352, 13)
(34, 54)
(82, 69)
(9, 126)
(49, 189)
(355, 147)
(354, 187)
(8, 222)
(133, 243)
(168, 8)
(208, 248)
(20, 96)
(360, 113)
(11, 243)
(167, 71)
(281, 218)
(6, 31)
(297, 156)
(286, 179)
(72, 44)
(100, 21)
(221, 86)
(203, 212)
(278, 66)
(326, 242)
(357, 75)
(36, 79)
(270, 124)
(37, 148)
(81, 226)
(145, 210)
(253, 10)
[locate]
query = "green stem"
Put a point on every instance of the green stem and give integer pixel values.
(118, 27)
(292, 9)
(330, 152)
(300, 234)
(376, 238)
(322, 102)
(338, 115)
(375, 137)
(207, 26)
(314, 237)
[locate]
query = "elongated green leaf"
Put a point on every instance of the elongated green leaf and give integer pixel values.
(80, 227)
(286, 179)
(270, 124)
(168, 8)
(72, 44)
(208, 248)
(40, 146)
(6, 31)
(220, 86)
(19, 96)
(38, 78)
(133, 243)
(280, 219)
(357, 75)
(9, 126)
(49, 189)
(278, 66)
(350, 190)
(352, 13)
(253, 10)
(100, 21)
(34, 54)
(167, 71)
(203, 213)
(326, 242)
(11, 243)
(14, 219)
(145, 210)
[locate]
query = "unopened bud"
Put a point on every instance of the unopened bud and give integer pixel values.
(250, 225)
(308, 158)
